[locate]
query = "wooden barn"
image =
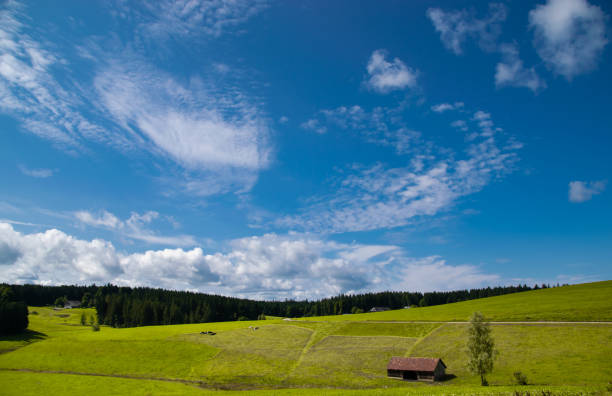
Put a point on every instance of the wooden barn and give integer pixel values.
(72, 304)
(416, 369)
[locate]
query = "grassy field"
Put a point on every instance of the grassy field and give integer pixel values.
(547, 354)
(315, 355)
(28, 384)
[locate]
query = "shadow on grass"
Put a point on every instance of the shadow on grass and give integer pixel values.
(447, 377)
(25, 336)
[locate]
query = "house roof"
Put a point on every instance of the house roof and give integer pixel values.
(414, 364)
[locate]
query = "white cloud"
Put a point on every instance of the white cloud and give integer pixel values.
(569, 35)
(168, 268)
(455, 27)
(580, 191)
(184, 122)
(28, 90)
(267, 266)
(387, 76)
(511, 71)
(182, 18)
(53, 257)
(380, 126)
(135, 227)
(283, 120)
(106, 219)
(433, 273)
(41, 173)
(211, 131)
(485, 123)
(314, 125)
(378, 197)
(442, 107)
(460, 124)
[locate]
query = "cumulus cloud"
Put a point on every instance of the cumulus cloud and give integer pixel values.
(511, 71)
(54, 257)
(135, 227)
(267, 266)
(386, 76)
(455, 27)
(569, 35)
(581, 191)
(168, 268)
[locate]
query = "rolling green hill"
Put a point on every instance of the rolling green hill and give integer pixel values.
(584, 302)
(316, 355)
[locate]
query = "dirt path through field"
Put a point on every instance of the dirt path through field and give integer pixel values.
(183, 381)
(495, 323)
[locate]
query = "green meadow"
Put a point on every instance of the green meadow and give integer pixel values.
(339, 355)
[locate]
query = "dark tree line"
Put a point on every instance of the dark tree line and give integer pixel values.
(13, 313)
(127, 307)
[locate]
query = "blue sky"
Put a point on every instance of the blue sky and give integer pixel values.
(274, 149)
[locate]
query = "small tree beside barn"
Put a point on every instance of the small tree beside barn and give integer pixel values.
(480, 347)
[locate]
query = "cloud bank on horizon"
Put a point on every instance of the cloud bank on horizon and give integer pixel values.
(264, 266)
(208, 145)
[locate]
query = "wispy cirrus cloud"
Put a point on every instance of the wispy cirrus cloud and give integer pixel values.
(385, 76)
(29, 90)
(40, 173)
(380, 197)
(380, 126)
(456, 26)
(135, 227)
(181, 18)
(266, 266)
(211, 132)
(443, 107)
(460, 124)
(314, 125)
(569, 35)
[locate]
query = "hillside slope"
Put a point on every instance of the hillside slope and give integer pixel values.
(575, 303)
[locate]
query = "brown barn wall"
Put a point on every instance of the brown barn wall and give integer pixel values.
(439, 373)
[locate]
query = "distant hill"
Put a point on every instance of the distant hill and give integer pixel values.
(583, 302)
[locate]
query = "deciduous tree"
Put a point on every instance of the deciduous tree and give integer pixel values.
(481, 347)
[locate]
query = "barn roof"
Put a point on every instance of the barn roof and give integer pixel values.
(414, 364)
